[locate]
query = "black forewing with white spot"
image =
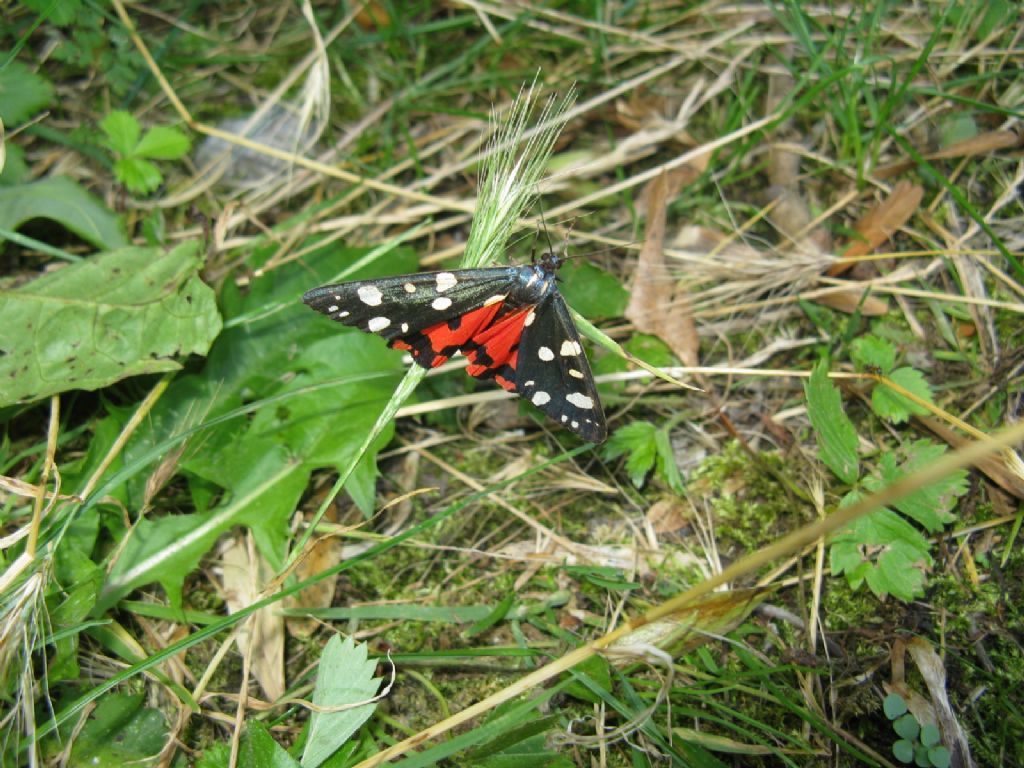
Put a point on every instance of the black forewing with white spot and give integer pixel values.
(399, 307)
(552, 371)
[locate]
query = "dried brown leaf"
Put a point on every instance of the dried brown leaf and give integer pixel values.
(655, 306)
(243, 573)
(668, 515)
(880, 223)
(854, 300)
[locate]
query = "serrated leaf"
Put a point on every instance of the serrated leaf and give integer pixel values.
(162, 142)
(890, 405)
(23, 93)
(872, 352)
(884, 551)
(668, 469)
(122, 132)
(931, 505)
(140, 176)
(638, 441)
(123, 313)
(344, 677)
(259, 750)
(61, 200)
(837, 439)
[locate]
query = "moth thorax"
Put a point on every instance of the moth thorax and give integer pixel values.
(534, 284)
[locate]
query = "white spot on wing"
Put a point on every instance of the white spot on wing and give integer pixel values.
(370, 295)
(530, 383)
(575, 374)
(564, 418)
(377, 324)
(445, 280)
(441, 302)
(530, 318)
(570, 349)
(409, 288)
(344, 314)
(580, 400)
(333, 308)
(337, 297)
(575, 425)
(495, 300)
(545, 354)
(541, 398)
(405, 327)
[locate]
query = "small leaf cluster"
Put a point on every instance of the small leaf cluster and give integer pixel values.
(135, 151)
(887, 549)
(918, 745)
(646, 447)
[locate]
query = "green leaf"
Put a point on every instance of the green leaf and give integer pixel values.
(639, 441)
(162, 142)
(119, 314)
(837, 439)
(61, 200)
(872, 352)
(894, 706)
(259, 750)
(940, 757)
(930, 735)
(903, 751)
(884, 551)
(344, 677)
(931, 505)
(120, 731)
(57, 12)
(907, 727)
(898, 409)
(122, 131)
(668, 469)
(140, 176)
(591, 291)
(274, 347)
(23, 93)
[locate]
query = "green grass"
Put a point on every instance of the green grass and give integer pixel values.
(478, 545)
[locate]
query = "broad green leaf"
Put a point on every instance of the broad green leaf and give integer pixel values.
(591, 291)
(61, 200)
(344, 677)
(898, 409)
(120, 731)
(837, 439)
(259, 750)
(869, 351)
(118, 314)
(162, 142)
(15, 169)
(166, 549)
(140, 176)
(639, 442)
(650, 349)
(23, 93)
(122, 132)
(332, 381)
